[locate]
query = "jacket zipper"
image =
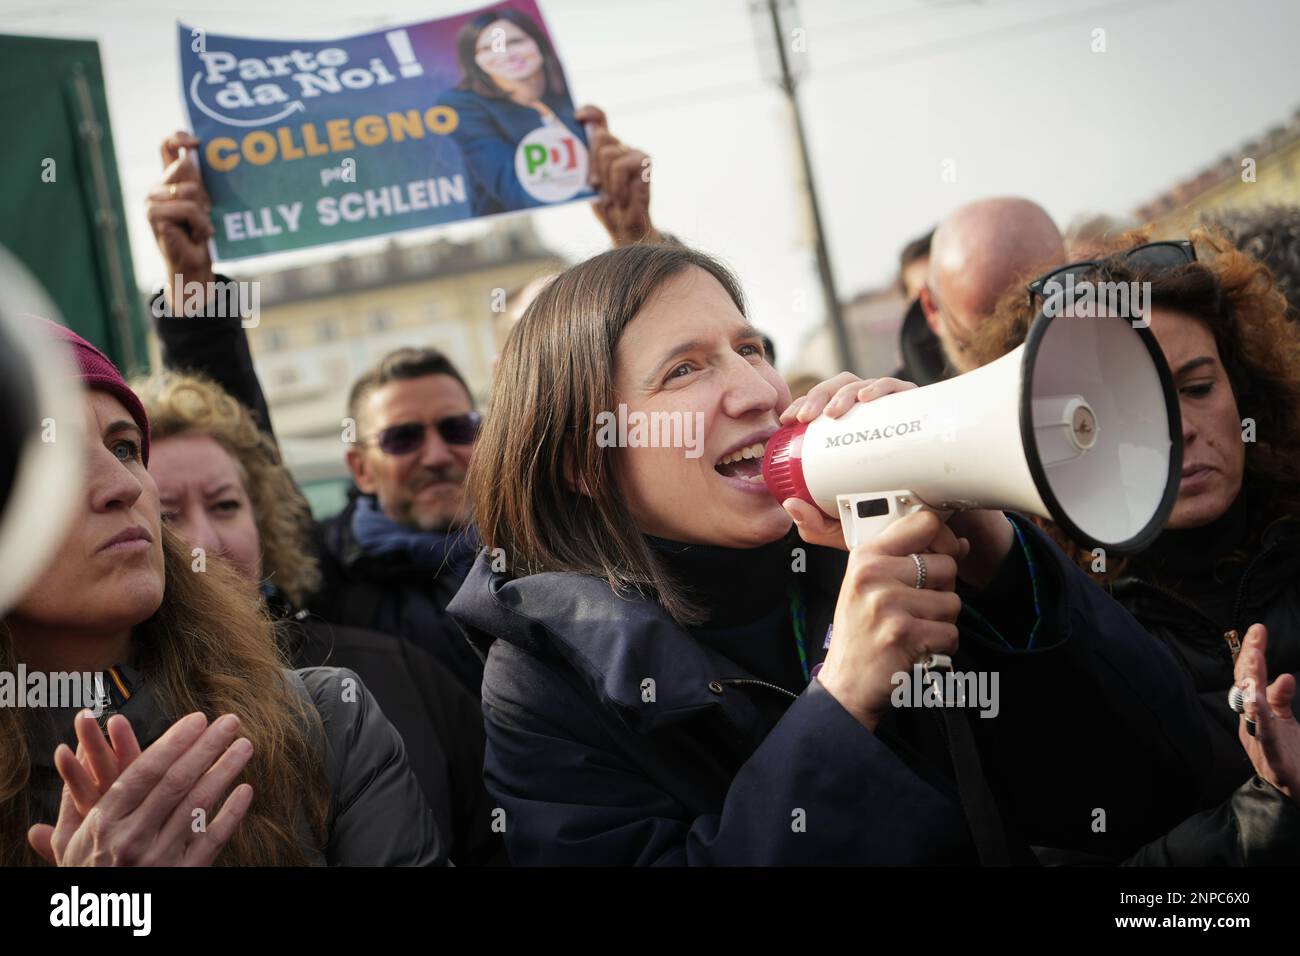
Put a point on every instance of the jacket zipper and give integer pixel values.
(1231, 636)
(759, 683)
(1241, 588)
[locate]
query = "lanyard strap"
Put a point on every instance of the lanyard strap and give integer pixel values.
(798, 616)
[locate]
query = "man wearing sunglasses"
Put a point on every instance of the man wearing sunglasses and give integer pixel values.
(394, 557)
(975, 256)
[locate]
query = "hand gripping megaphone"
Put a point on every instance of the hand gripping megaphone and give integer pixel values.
(1080, 424)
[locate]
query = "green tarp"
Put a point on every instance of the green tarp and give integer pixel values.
(60, 202)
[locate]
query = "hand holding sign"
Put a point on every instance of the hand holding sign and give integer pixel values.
(622, 174)
(179, 211)
(305, 143)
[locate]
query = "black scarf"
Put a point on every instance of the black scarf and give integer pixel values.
(1198, 563)
(745, 594)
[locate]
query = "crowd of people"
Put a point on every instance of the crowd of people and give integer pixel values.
(517, 645)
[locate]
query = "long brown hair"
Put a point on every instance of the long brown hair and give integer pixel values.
(555, 376)
(209, 647)
(1236, 298)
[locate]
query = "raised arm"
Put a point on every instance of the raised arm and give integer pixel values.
(202, 331)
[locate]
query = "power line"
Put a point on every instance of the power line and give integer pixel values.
(969, 41)
(725, 91)
(888, 21)
(840, 27)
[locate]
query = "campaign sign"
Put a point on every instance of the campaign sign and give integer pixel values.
(310, 142)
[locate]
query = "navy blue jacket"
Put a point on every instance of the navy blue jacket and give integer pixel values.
(488, 135)
(715, 770)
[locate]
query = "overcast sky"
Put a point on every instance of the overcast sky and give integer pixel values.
(1010, 90)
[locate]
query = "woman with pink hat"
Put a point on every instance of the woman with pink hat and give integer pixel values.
(207, 749)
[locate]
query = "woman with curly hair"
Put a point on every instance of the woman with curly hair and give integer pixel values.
(199, 699)
(1221, 585)
(225, 491)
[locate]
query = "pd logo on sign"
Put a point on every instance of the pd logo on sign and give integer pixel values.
(551, 163)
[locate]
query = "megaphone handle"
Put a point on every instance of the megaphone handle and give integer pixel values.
(865, 515)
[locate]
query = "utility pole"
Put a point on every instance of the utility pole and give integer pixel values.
(788, 84)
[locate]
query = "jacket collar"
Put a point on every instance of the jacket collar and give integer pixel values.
(1274, 566)
(613, 643)
(54, 726)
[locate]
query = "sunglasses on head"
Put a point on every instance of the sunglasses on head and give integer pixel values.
(1157, 256)
(409, 436)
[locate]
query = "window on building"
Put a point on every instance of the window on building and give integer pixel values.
(277, 340)
(495, 245)
(337, 370)
(372, 268)
(318, 278)
(451, 336)
(419, 258)
(380, 320)
(329, 329)
(271, 285)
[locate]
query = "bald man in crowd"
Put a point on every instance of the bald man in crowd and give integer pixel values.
(977, 253)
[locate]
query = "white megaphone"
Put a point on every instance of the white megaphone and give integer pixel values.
(1080, 424)
(42, 449)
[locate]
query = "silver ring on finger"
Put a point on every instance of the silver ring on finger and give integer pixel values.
(1237, 700)
(936, 662)
(920, 570)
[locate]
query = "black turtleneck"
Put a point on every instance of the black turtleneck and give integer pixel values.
(1191, 562)
(745, 595)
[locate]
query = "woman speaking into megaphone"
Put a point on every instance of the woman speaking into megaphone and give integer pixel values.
(658, 687)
